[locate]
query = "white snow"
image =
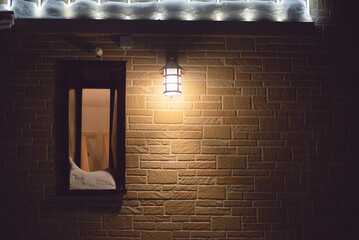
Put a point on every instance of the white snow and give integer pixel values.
(284, 10)
(82, 180)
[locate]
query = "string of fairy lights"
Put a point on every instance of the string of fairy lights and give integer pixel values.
(39, 3)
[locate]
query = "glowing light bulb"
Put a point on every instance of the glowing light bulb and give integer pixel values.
(188, 17)
(218, 17)
(159, 16)
(248, 15)
(68, 12)
(98, 15)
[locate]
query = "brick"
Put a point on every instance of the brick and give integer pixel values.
(211, 210)
(153, 210)
(213, 172)
(140, 90)
(185, 147)
(158, 235)
(223, 91)
(242, 62)
(180, 105)
(212, 192)
(196, 226)
(236, 203)
(124, 233)
(201, 165)
(277, 154)
(154, 195)
(179, 207)
(207, 105)
(169, 117)
(273, 124)
(190, 135)
(226, 223)
(220, 73)
(135, 102)
(218, 150)
(193, 76)
(240, 44)
(206, 62)
(139, 120)
(264, 136)
(141, 112)
(168, 226)
(163, 176)
(231, 162)
(161, 135)
(117, 222)
(272, 215)
(276, 65)
(236, 102)
(219, 113)
(217, 132)
(159, 150)
(157, 105)
(193, 87)
(268, 184)
(196, 180)
(235, 180)
(202, 121)
(281, 94)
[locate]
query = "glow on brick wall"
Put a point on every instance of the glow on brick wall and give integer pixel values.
(184, 10)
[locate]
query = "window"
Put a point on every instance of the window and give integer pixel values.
(92, 126)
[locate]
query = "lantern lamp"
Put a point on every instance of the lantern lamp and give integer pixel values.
(172, 78)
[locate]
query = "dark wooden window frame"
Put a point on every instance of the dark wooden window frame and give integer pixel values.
(70, 76)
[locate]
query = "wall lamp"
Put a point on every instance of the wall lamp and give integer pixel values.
(172, 78)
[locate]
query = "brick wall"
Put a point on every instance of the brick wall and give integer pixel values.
(261, 144)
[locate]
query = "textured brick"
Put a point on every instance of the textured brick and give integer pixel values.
(276, 65)
(226, 223)
(218, 132)
(273, 124)
(168, 117)
(281, 94)
(156, 235)
(163, 176)
(135, 102)
(231, 162)
(236, 102)
(240, 44)
(220, 73)
(117, 222)
(193, 87)
(185, 147)
(265, 136)
(212, 192)
(268, 184)
(272, 215)
(179, 207)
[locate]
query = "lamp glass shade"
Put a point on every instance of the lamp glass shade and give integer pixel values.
(172, 79)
